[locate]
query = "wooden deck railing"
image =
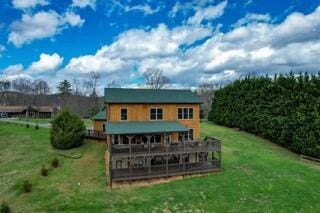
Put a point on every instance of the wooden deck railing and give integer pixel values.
(175, 147)
(93, 134)
(136, 173)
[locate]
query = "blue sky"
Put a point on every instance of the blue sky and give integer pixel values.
(193, 42)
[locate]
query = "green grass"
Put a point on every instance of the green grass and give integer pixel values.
(257, 176)
(35, 120)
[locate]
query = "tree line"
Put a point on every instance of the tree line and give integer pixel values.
(284, 109)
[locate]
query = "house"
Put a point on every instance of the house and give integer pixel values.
(155, 133)
(27, 111)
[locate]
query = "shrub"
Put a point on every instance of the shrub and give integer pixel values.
(4, 207)
(27, 125)
(44, 171)
(67, 131)
(37, 126)
(27, 186)
(55, 163)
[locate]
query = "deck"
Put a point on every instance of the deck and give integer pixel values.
(93, 134)
(164, 171)
(173, 147)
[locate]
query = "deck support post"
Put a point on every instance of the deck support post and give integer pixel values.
(149, 156)
(130, 154)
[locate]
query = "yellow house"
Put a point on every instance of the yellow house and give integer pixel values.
(155, 133)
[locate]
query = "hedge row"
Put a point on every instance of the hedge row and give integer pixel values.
(284, 109)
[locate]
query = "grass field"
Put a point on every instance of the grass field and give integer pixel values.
(87, 122)
(257, 176)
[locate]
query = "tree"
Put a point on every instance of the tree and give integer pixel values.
(155, 79)
(68, 131)
(22, 85)
(206, 93)
(41, 87)
(64, 87)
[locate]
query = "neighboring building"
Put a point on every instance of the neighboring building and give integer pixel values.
(155, 133)
(27, 111)
(99, 120)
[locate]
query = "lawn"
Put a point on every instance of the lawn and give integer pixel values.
(257, 176)
(35, 120)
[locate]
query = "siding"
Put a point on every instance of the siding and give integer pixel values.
(141, 112)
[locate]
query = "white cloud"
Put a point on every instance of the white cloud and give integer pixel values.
(46, 63)
(208, 13)
(84, 3)
(256, 47)
(41, 25)
(2, 49)
(13, 72)
(251, 18)
(145, 8)
(24, 4)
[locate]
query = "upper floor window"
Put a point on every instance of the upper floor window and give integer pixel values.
(124, 114)
(185, 113)
(156, 114)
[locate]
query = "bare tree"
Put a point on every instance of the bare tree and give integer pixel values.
(41, 87)
(76, 87)
(93, 78)
(155, 79)
(22, 85)
(206, 93)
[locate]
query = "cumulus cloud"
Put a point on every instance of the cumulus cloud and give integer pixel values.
(41, 25)
(46, 63)
(84, 3)
(24, 4)
(208, 13)
(255, 47)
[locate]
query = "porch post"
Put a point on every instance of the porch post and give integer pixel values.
(167, 169)
(130, 154)
(149, 157)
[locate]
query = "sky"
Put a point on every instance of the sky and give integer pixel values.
(192, 42)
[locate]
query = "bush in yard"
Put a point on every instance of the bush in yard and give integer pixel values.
(27, 125)
(44, 171)
(67, 131)
(4, 207)
(27, 186)
(55, 163)
(37, 126)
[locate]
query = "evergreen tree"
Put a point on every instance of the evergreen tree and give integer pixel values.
(285, 109)
(64, 87)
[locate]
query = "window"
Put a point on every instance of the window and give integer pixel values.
(185, 113)
(124, 114)
(115, 139)
(186, 136)
(156, 114)
(155, 139)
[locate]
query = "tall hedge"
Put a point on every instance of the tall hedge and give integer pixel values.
(285, 109)
(68, 131)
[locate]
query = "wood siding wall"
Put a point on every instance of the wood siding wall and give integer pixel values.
(141, 112)
(98, 125)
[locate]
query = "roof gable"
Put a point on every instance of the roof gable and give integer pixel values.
(120, 95)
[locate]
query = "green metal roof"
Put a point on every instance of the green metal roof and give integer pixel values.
(102, 115)
(119, 128)
(120, 95)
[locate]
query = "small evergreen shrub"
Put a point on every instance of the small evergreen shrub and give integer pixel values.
(67, 131)
(4, 207)
(44, 171)
(27, 125)
(37, 126)
(27, 186)
(55, 163)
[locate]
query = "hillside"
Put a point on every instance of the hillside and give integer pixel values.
(256, 176)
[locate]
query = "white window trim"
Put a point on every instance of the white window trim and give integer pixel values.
(188, 117)
(120, 113)
(156, 113)
(192, 134)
